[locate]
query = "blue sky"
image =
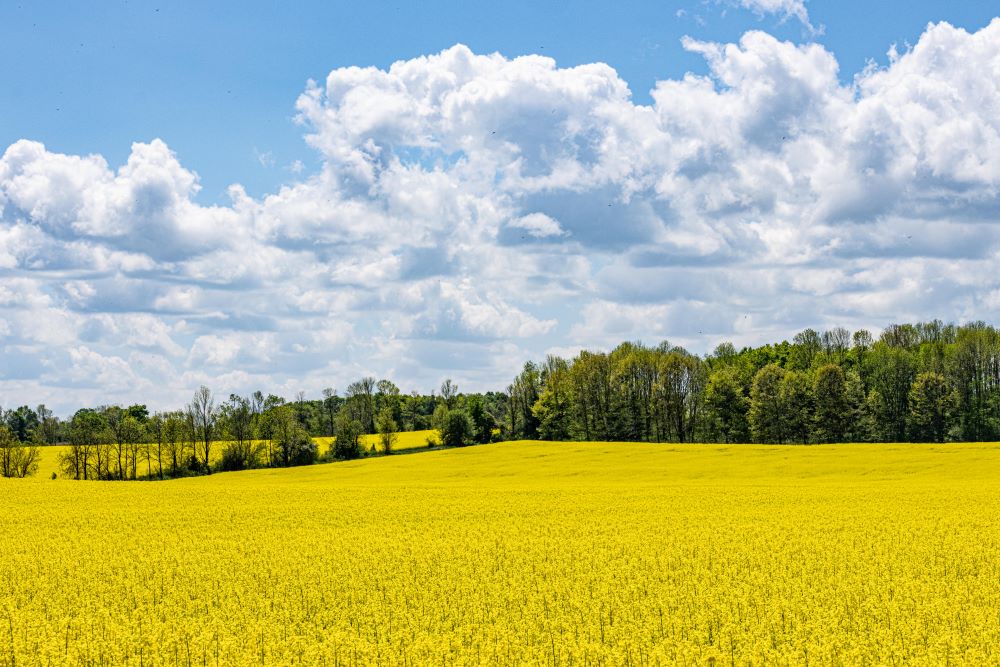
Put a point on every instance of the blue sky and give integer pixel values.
(290, 196)
(218, 80)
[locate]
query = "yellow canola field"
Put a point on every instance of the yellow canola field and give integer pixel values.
(518, 553)
(408, 440)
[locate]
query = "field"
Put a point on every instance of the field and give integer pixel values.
(409, 440)
(518, 553)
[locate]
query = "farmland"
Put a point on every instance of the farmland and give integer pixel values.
(521, 552)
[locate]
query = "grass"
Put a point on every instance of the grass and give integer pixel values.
(518, 553)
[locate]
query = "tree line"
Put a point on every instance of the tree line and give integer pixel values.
(242, 432)
(925, 382)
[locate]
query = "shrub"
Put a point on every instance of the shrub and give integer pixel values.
(457, 429)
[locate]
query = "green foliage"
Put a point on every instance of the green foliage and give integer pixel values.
(360, 403)
(483, 422)
(826, 386)
(859, 422)
(766, 415)
(388, 429)
(457, 429)
(890, 370)
(21, 422)
(552, 409)
(297, 448)
(806, 345)
(831, 419)
(522, 395)
(797, 406)
(932, 405)
(348, 442)
(727, 406)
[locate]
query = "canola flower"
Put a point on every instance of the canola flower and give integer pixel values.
(517, 553)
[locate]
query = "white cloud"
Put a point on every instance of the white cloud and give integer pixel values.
(471, 210)
(786, 9)
(538, 225)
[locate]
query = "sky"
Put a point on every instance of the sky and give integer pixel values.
(289, 196)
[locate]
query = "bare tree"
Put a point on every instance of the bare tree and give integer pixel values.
(173, 440)
(330, 407)
(836, 342)
(361, 401)
(48, 425)
(449, 391)
(205, 416)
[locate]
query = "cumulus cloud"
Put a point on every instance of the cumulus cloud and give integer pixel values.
(471, 210)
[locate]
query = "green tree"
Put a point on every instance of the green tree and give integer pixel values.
(973, 370)
(457, 430)
(766, 414)
(133, 434)
(388, 396)
(932, 406)
(388, 429)
(889, 370)
(440, 416)
(726, 406)
(796, 406)
(483, 422)
(292, 444)
(173, 441)
(832, 415)
(592, 396)
(348, 440)
(859, 421)
(241, 451)
(678, 391)
(21, 422)
(114, 417)
(81, 459)
(552, 409)
(521, 397)
(805, 346)
(635, 370)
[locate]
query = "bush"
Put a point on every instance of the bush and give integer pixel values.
(239, 457)
(348, 442)
(298, 449)
(457, 429)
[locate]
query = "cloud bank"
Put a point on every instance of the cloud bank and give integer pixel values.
(473, 211)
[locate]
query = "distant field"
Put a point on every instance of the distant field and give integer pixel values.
(409, 440)
(518, 553)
